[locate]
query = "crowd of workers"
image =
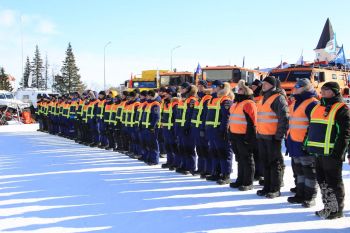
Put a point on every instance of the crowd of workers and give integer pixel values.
(201, 129)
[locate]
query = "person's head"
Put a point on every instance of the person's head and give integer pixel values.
(151, 94)
(256, 84)
(170, 92)
(330, 89)
(302, 85)
(143, 95)
(185, 88)
(132, 95)
(124, 95)
(243, 89)
(217, 85)
(162, 91)
(269, 83)
(101, 95)
(202, 85)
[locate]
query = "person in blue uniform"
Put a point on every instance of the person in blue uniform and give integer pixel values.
(167, 124)
(198, 129)
(216, 127)
(150, 120)
(186, 160)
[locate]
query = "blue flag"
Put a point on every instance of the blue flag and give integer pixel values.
(340, 58)
(198, 69)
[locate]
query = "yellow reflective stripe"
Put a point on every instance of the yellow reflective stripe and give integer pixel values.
(319, 144)
(330, 128)
(183, 115)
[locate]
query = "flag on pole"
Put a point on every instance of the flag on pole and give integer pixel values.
(198, 69)
(301, 59)
(340, 58)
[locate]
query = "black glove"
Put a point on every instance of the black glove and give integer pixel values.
(152, 130)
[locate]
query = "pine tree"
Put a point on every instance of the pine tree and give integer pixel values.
(69, 80)
(37, 70)
(4, 81)
(24, 82)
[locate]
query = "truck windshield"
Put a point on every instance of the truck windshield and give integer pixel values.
(2, 96)
(144, 84)
(222, 75)
(165, 80)
(282, 76)
(294, 75)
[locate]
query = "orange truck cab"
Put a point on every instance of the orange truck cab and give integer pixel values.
(231, 74)
(317, 75)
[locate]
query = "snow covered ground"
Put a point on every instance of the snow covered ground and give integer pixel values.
(50, 184)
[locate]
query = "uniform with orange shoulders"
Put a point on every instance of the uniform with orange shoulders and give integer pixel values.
(216, 129)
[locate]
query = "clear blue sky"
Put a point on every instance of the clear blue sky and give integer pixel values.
(143, 32)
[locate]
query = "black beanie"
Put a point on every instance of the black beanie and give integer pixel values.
(151, 93)
(126, 93)
(132, 94)
(143, 93)
(271, 80)
(102, 93)
(256, 82)
(334, 86)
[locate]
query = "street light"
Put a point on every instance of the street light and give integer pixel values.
(171, 56)
(104, 65)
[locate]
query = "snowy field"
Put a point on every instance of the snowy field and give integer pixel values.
(50, 184)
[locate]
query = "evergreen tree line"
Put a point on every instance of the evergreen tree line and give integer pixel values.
(4, 81)
(36, 74)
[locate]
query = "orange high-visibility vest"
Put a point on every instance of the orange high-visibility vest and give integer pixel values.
(267, 118)
(298, 121)
(238, 121)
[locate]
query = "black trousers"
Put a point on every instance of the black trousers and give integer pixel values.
(329, 177)
(245, 161)
(272, 159)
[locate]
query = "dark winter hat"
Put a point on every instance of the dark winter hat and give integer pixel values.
(334, 86)
(151, 93)
(132, 93)
(39, 96)
(185, 85)
(144, 93)
(256, 82)
(217, 83)
(102, 93)
(137, 90)
(302, 82)
(126, 93)
(271, 80)
(171, 90)
(162, 89)
(203, 83)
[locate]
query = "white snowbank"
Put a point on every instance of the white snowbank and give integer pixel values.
(51, 184)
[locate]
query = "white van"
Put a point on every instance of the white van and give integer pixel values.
(7, 99)
(29, 95)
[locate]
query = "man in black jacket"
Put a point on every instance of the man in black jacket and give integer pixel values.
(327, 138)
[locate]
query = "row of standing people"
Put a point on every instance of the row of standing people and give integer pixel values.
(200, 130)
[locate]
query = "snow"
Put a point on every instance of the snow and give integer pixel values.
(50, 184)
